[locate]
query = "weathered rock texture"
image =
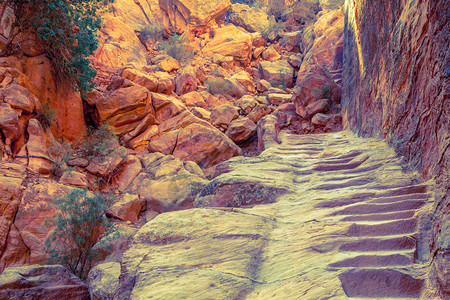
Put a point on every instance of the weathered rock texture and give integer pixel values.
(396, 85)
(319, 216)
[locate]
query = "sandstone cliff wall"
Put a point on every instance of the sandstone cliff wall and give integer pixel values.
(396, 86)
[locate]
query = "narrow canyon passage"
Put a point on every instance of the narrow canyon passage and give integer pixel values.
(347, 225)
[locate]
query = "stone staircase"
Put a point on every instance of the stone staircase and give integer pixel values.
(349, 226)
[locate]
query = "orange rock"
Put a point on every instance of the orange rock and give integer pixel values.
(30, 44)
(222, 115)
(193, 99)
(231, 41)
(195, 15)
(241, 130)
(128, 207)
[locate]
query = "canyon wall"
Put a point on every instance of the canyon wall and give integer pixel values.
(396, 86)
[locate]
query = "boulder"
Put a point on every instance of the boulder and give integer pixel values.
(169, 64)
(244, 79)
(167, 183)
(259, 112)
(103, 280)
(292, 41)
(196, 16)
(201, 113)
(222, 115)
(320, 119)
(318, 106)
(125, 108)
(278, 99)
(42, 282)
(166, 107)
(247, 103)
(277, 72)
(251, 19)
(241, 130)
(186, 81)
(316, 85)
(127, 208)
(136, 13)
(30, 44)
(213, 101)
(145, 80)
(229, 40)
(193, 99)
(74, 178)
(19, 98)
(270, 54)
(203, 145)
(104, 166)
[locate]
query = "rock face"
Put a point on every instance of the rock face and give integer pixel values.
(41, 282)
(396, 86)
(249, 18)
(195, 15)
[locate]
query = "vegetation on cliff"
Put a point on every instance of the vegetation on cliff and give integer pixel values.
(68, 30)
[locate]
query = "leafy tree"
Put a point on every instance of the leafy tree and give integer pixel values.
(79, 222)
(68, 29)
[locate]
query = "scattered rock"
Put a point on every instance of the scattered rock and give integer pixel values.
(221, 116)
(320, 119)
(241, 130)
(127, 208)
(268, 130)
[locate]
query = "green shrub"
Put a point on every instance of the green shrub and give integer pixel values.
(323, 93)
(272, 30)
(68, 29)
(177, 47)
(79, 222)
(248, 2)
(99, 143)
(46, 116)
(151, 33)
(219, 86)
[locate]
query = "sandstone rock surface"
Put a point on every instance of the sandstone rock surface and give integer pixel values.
(41, 282)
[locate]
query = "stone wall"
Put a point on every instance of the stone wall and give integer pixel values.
(396, 86)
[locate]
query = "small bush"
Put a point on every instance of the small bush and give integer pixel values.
(177, 47)
(99, 143)
(248, 2)
(272, 31)
(79, 223)
(151, 33)
(46, 116)
(219, 86)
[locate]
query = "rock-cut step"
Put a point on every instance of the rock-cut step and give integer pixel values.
(380, 283)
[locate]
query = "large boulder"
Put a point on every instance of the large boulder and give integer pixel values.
(19, 98)
(229, 40)
(222, 115)
(137, 14)
(193, 15)
(37, 151)
(124, 109)
(277, 72)
(9, 123)
(42, 282)
(103, 280)
(249, 18)
(167, 183)
(268, 130)
(316, 85)
(204, 145)
(241, 130)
